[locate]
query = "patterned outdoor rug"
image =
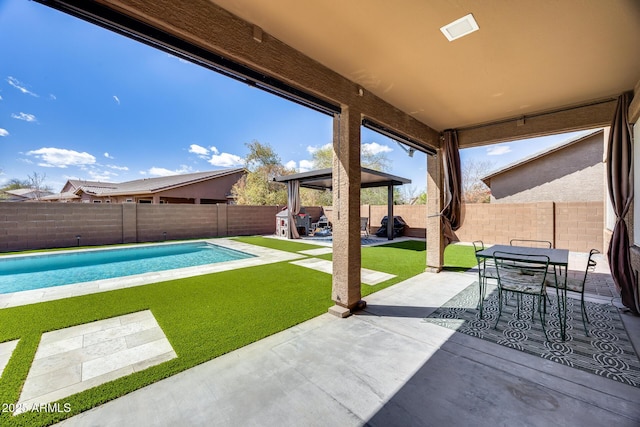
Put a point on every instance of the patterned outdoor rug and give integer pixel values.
(607, 350)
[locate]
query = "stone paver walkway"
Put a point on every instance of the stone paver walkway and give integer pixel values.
(81, 357)
(368, 277)
(6, 350)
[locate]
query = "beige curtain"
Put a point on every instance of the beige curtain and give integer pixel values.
(293, 207)
(620, 185)
(452, 212)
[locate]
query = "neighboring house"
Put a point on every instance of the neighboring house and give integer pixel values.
(568, 172)
(24, 195)
(193, 188)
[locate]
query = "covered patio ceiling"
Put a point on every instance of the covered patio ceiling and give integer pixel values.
(321, 179)
(533, 68)
(529, 58)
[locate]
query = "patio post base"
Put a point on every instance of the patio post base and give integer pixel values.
(340, 311)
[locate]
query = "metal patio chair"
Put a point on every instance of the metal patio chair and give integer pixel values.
(578, 285)
(523, 275)
(486, 270)
(531, 243)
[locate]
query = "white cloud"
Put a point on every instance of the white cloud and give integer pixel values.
(24, 116)
(202, 152)
(119, 168)
(213, 156)
(167, 172)
(4, 132)
(375, 148)
(108, 156)
(311, 149)
(226, 160)
(52, 97)
(291, 164)
(306, 165)
(161, 172)
(499, 150)
(115, 98)
(104, 176)
(20, 86)
(61, 157)
(0, 97)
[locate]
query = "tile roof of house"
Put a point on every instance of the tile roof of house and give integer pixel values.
(26, 192)
(566, 143)
(77, 183)
(67, 195)
(20, 191)
(150, 185)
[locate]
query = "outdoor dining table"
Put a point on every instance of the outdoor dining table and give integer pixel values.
(558, 258)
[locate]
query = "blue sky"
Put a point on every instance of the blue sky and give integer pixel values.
(80, 102)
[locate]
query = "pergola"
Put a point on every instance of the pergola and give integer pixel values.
(322, 179)
(533, 68)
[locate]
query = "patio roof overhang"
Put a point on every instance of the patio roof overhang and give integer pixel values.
(322, 179)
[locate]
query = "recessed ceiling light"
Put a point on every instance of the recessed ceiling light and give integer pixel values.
(460, 28)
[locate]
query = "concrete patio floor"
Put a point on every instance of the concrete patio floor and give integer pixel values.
(383, 366)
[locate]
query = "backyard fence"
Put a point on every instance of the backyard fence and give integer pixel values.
(578, 226)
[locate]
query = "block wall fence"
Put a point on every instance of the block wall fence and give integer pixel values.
(578, 226)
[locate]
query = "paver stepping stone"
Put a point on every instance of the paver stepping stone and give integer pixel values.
(75, 359)
(368, 277)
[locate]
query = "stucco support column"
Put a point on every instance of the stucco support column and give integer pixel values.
(346, 213)
(435, 203)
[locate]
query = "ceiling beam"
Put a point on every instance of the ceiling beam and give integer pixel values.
(210, 27)
(593, 115)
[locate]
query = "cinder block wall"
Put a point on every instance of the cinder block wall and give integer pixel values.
(26, 226)
(572, 225)
(580, 226)
(179, 221)
(577, 226)
(499, 223)
(249, 220)
(48, 225)
(414, 215)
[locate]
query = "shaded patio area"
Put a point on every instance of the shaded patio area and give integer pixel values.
(396, 370)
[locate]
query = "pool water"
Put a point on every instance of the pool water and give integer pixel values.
(43, 271)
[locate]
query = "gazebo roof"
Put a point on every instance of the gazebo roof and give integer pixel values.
(321, 179)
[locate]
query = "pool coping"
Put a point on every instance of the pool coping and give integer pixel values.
(261, 256)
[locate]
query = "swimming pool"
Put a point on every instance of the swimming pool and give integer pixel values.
(48, 270)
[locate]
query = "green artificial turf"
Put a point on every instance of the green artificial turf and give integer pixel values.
(203, 317)
(403, 259)
(459, 257)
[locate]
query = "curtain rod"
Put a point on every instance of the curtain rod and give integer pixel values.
(530, 116)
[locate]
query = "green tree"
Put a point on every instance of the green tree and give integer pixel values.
(323, 158)
(15, 183)
(257, 186)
